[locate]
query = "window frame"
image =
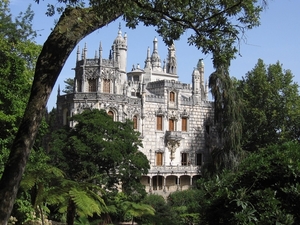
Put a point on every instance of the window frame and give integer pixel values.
(135, 122)
(92, 85)
(172, 96)
(106, 86)
(159, 122)
(184, 124)
(159, 155)
(184, 158)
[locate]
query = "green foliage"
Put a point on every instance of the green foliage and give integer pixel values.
(103, 152)
(271, 106)
(17, 55)
(264, 190)
(99, 146)
(163, 213)
(226, 153)
(137, 210)
(69, 85)
(185, 206)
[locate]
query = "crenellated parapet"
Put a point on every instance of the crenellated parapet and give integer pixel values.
(155, 98)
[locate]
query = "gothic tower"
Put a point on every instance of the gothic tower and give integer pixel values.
(120, 50)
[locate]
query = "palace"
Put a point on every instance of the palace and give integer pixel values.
(175, 119)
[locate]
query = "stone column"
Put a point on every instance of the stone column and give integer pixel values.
(150, 184)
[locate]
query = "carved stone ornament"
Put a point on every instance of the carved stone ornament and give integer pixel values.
(91, 73)
(184, 114)
(172, 145)
(173, 115)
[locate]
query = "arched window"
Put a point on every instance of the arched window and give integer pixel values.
(106, 86)
(172, 96)
(92, 85)
(135, 122)
(111, 114)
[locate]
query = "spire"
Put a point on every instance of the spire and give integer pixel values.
(85, 51)
(120, 32)
(171, 63)
(100, 52)
(148, 59)
(96, 55)
(164, 66)
(58, 90)
(155, 59)
(200, 67)
(78, 53)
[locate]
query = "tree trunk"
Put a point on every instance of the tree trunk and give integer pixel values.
(71, 212)
(74, 24)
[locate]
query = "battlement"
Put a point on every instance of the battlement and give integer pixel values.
(155, 98)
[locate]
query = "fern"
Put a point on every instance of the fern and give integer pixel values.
(86, 206)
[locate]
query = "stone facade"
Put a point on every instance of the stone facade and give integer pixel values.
(174, 118)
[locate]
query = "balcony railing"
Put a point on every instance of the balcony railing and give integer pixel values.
(174, 169)
(173, 135)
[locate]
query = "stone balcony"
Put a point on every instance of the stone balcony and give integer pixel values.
(173, 136)
(175, 169)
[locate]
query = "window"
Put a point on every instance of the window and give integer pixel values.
(159, 158)
(159, 123)
(171, 125)
(106, 86)
(92, 85)
(198, 159)
(79, 86)
(184, 159)
(172, 96)
(135, 121)
(183, 124)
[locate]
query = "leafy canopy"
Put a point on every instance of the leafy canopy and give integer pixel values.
(101, 150)
(264, 190)
(271, 106)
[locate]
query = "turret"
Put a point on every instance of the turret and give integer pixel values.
(120, 50)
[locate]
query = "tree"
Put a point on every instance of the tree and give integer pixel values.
(271, 106)
(69, 85)
(227, 153)
(163, 211)
(103, 152)
(264, 190)
(216, 25)
(18, 55)
(185, 206)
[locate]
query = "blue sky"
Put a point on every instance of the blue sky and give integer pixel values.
(277, 39)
